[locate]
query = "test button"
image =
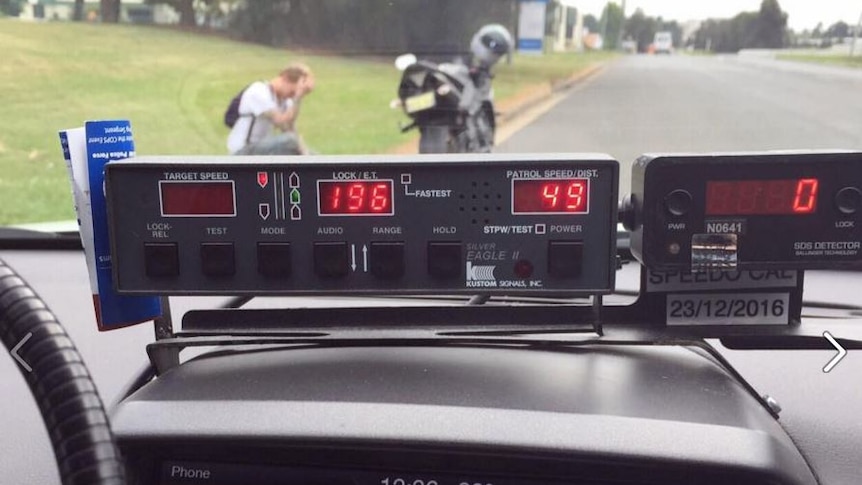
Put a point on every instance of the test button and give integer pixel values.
(565, 258)
(217, 259)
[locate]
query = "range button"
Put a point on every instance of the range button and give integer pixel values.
(387, 259)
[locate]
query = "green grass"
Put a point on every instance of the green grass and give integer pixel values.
(834, 60)
(174, 87)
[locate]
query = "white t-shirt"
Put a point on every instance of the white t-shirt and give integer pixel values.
(257, 99)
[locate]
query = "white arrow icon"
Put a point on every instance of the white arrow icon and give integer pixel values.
(353, 257)
(365, 258)
(16, 348)
(263, 210)
(840, 355)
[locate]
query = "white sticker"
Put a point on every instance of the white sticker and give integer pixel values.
(728, 309)
(667, 281)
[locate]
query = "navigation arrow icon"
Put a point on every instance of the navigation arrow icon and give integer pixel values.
(16, 348)
(840, 355)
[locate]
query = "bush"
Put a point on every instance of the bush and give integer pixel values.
(370, 26)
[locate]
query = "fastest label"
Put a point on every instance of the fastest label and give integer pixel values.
(728, 309)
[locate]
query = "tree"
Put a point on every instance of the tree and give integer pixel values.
(110, 10)
(591, 23)
(770, 26)
(382, 27)
(612, 24)
(186, 9)
(763, 29)
(641, 29)
(11, 8)
(78, 11)
(838, 29)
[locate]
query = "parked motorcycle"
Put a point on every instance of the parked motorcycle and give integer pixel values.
(452, 103)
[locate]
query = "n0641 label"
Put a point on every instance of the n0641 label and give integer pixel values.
(728, 309)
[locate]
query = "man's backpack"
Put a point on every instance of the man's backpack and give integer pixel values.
(231, 114)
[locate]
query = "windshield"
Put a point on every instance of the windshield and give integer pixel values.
(319, 77)
(302, 78)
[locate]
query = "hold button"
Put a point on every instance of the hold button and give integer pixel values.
(565, 258)
(444, 259)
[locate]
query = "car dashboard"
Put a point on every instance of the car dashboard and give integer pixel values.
(460, 414)
(446, 321)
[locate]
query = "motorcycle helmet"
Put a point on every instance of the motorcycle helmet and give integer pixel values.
(490, 43)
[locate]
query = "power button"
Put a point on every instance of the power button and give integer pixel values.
(678, 202)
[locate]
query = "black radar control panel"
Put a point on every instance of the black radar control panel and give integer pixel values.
(483, 224)
(779, 210)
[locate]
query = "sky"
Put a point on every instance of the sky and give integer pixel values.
(802, 14)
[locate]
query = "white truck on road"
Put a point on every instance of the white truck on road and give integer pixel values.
(663, 42)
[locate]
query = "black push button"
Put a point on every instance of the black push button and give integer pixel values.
(330, 259)
(565, 258)
(387, 260)
(273, 259)
(444, 259)
(678, 202)
(217, 259)
(848, 200)
(161, 260)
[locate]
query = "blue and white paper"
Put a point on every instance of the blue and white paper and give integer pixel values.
(89, 149)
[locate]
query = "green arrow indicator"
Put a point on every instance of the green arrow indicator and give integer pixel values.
(294, 196)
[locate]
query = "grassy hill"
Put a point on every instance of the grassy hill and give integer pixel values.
(174, 87)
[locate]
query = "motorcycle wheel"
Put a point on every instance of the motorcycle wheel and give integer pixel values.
(435, 139)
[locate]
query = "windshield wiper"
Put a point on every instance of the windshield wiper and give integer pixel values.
(21, 238)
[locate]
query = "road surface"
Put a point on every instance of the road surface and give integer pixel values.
(682, 103)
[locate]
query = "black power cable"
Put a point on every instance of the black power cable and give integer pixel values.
(71, 408)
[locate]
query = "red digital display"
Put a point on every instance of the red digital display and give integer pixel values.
(761, 197)
(197, 199)
(564, 196)
(355, 198)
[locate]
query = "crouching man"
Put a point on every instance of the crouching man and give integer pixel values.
(268, 112)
